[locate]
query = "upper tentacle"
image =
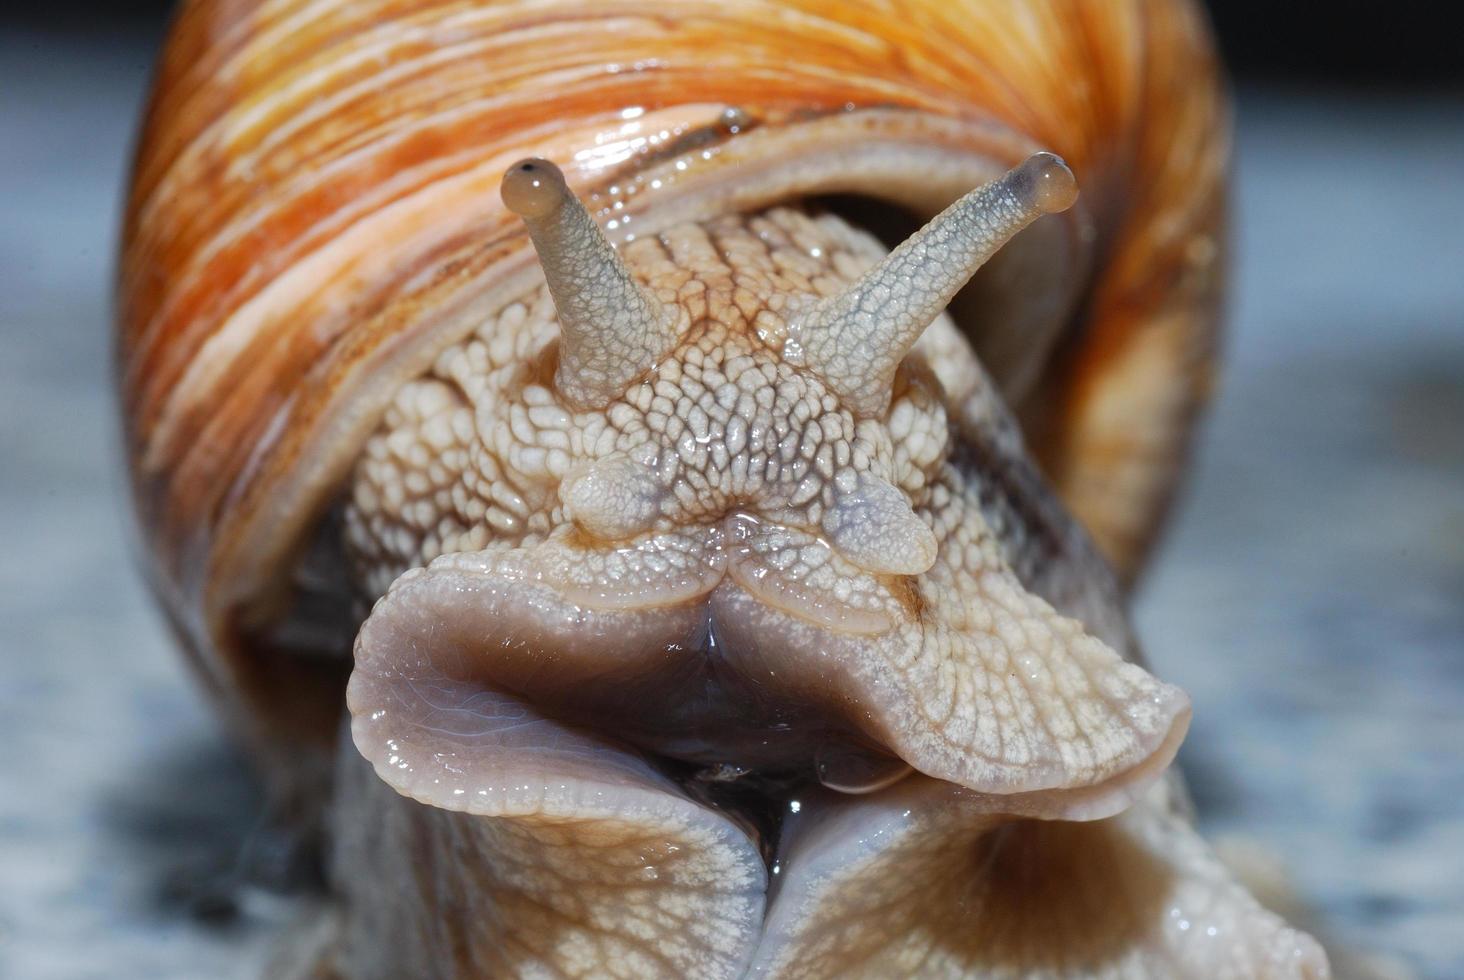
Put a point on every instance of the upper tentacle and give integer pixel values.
(856, 339)
(612, 328)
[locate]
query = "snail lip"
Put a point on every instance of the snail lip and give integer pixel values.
(723, 682)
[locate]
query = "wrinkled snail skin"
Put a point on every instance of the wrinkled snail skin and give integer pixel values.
(697, 456)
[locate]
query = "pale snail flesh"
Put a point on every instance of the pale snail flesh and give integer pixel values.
(765, 565)
(715, 620)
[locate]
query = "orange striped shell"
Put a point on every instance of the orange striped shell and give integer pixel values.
(314, 215)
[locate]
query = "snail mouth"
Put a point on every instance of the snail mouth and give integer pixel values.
(456, 648)
(739, 702)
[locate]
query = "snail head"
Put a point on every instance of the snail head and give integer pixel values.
(702, 495)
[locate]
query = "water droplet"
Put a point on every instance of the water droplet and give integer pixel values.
(734, 119)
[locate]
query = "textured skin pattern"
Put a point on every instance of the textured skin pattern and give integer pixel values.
(474, 455)
(626, 880)
(910, 882)
(861, 565)
(858, 339)
(953, 890)
(610, 329)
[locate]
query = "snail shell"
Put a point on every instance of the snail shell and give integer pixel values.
(315, 223)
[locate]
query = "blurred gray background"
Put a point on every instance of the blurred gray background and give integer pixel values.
(1310, 596)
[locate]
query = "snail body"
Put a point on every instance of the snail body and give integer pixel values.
(596, 406)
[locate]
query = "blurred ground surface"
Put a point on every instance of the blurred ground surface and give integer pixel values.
(1311, 598)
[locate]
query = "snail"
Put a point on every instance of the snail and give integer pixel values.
(659, 484)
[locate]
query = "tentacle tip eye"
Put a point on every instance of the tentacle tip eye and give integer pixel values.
(1049, 182)
(533, 188)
